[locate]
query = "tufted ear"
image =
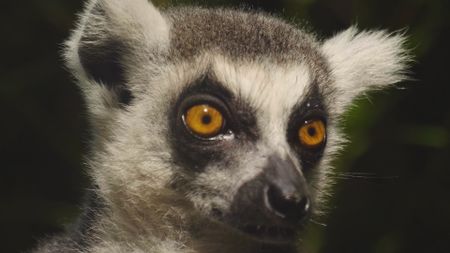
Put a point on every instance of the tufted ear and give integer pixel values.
(113, 36)
(362, 61)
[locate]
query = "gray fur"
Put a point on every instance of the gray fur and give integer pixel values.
(134, 63)
(221, 30)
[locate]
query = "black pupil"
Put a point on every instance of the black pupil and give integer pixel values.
(206, 119)
(312, 131)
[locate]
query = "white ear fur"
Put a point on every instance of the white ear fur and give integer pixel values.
(362, 61)
(133, 22)
(111, 37)
(138, 18)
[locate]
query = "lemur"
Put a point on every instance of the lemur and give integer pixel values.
(213, 129)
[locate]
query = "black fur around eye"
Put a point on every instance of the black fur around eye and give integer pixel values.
(307, 129)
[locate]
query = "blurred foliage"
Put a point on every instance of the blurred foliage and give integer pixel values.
(393, 185)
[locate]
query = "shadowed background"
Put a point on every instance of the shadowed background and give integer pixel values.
(393, 195)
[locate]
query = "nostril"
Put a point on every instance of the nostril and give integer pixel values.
(293, 206)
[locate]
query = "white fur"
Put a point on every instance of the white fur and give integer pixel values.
(363, 61)
(271, 89)
(136, 21)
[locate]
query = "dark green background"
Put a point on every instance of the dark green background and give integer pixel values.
(401, 137)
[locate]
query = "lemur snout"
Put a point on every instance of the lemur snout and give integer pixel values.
(285, 194)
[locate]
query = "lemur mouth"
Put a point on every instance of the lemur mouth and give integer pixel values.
(271, 234)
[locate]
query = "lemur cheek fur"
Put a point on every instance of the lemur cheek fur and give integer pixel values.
(214, 129)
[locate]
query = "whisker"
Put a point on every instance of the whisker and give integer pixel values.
(362, 175)
(317, 223)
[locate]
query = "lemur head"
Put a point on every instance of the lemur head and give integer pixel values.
(233, 114)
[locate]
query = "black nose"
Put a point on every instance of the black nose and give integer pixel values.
(286, 202)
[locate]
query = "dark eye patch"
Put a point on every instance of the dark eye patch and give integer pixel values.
(194, 152)
(310, 109)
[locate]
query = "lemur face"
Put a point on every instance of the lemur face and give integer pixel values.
(232, 112)
(248, 139)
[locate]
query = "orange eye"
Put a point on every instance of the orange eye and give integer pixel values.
(312, 134)
(204, 120)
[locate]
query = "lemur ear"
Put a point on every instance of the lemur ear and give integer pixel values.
(362, 61)
(112, 35)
